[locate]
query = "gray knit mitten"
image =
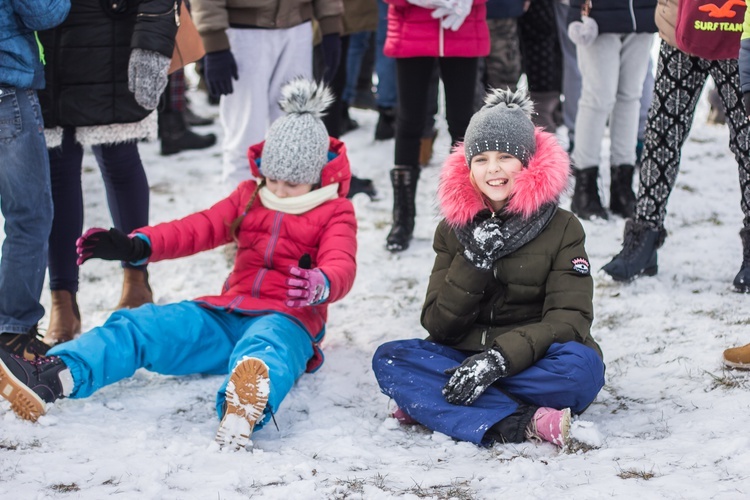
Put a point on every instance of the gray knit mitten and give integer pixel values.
(147, 76)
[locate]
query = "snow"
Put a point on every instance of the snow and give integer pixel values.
(670, 423)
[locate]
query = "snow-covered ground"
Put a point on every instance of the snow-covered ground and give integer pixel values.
(670, 423)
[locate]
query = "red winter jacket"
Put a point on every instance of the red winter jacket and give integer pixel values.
(412, 32)
(269, 243)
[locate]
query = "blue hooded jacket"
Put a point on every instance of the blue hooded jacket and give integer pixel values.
(20, 58)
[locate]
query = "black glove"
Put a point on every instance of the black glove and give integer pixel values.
(98, 243)
(746, 102)
(482, 241)
(219, 68)
(473, 377)
(331, 55)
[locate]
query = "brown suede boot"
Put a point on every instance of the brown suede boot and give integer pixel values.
(64, 318)
(135, 289)
(738, 357)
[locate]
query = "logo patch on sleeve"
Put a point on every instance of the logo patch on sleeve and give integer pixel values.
(581, 265)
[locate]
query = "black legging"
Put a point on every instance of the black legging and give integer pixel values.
(413, 74)
(679, 81)
(127, 196)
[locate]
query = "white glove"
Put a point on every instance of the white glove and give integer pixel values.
(453, 13)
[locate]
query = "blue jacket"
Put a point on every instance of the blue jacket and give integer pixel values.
(20, 61)
(502, 9)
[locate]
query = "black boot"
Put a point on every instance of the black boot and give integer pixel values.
(586, 203)
(176, 136)
(364, 186)
(404, 180)
(742, 280)
(194, 120)
(638, 254)
(386, 127)
(621, 197)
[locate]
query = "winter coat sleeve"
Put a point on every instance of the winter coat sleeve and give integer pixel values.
(200, 231)
(41, 15)
(329, 14)
(454, 293)
(567, 312)
(337, 252)
(156, 26)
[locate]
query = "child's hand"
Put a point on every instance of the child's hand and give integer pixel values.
(309, 287)
(98, 243)
(473, 377)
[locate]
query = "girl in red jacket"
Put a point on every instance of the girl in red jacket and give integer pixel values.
(296, 237)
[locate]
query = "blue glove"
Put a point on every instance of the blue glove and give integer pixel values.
(219, 70)
(331, 55)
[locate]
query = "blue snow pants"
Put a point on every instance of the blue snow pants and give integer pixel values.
(412, 373)
(185, 338)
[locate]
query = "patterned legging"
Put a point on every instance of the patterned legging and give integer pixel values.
(679, 81)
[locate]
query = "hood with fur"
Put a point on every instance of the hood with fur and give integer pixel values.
(543, 181)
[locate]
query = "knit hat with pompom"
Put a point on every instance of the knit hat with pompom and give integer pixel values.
(503, 124)
(296, 147)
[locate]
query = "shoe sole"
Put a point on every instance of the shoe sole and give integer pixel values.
(564, 428)
(739, 366)
(246, 397)
(23, 401)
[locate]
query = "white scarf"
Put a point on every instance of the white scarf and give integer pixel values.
(298, 204)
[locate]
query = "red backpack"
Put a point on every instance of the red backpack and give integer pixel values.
(708, 30)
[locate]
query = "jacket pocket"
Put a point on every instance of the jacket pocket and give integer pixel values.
(10, 114)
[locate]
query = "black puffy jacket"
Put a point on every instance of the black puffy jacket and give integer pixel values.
(618, 16)
(87, 59)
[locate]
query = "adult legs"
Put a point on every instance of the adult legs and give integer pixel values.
(26, 203)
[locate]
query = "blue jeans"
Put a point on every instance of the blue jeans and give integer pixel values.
(385, 67)
(185, 338)
(26, 203)
(412, 372)
(358, 45)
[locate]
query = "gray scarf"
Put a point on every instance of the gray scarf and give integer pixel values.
(490, 237)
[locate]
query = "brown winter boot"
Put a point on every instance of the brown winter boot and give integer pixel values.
(738, 357)
(64, 318)
(135, 289)
(425, 148)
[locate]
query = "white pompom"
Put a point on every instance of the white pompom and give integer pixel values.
(583, 32)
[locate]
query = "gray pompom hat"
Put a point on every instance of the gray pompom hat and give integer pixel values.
(503, 124)
(296, 147)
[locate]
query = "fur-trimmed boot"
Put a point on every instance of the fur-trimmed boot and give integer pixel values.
(64, 318)
(742, 280)
(638, 254)
(404, 180)
(586, 203)
(135, 289)
(621, 196)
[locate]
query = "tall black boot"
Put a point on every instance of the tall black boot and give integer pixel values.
(742, 280)
(621, 196)
(586, 203)
(176, 136)
(386, 127)
(404, 180)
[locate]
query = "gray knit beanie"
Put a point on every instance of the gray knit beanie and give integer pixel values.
(503, 124)
(296, 147)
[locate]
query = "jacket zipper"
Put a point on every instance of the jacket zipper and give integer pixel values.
(268, 257)
(175, 8)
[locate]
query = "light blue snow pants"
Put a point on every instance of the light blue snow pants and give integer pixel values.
(185, 338)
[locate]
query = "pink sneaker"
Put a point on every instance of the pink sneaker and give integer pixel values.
(402, 417)
(550, 425)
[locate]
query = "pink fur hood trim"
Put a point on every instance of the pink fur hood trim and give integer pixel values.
(543, 181)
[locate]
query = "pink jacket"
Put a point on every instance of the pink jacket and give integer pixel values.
(269, 243)
(412, 32)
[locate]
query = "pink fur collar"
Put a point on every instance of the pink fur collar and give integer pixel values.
(543, 181)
